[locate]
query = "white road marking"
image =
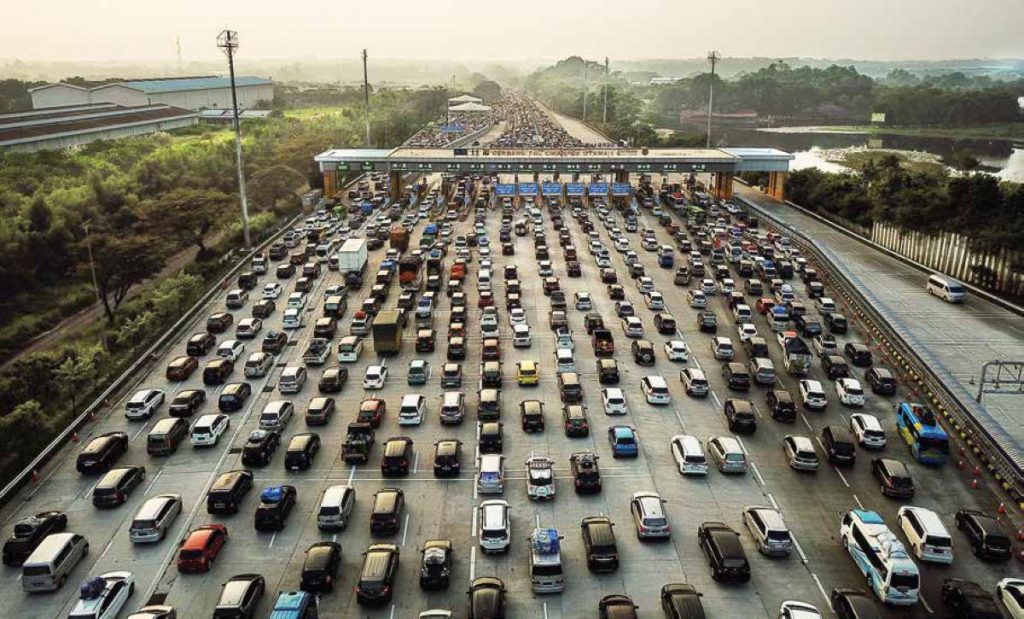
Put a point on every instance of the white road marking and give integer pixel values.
(136, 435)
(828, 601)
(473, 522)
(472, 563)
(799, 549)
(757, 473)
(742, 446)
(405, 529)
(536, 520)
(415, 462)
(351, 473)
(859, 504)
(718, 402)
(679, 418)
(392, 611)
(758, 411)
(771, 499)
(106, 550)
(150, 486)
(272, 538)
(334, 538)
(806, 423)
(924, 603)
(545, 610)
(841, 476)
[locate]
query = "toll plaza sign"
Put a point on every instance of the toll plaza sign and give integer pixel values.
(574, 189)
(621, 189)
(598, 189)
(527, 189)
(551, 189)
(562, 153)
(505, 189)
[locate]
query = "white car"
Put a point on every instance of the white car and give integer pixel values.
(677, 350)
(645, 284)
(544, 268)
(517, 316)
(850, 392)
(293, 318)
(746, 331)
(1010, 592)
(698, 300)
(143, 404)
(825, 305)
(868, 430)
(231, 350)
(603, 262)
(689, 455)
(621, 245)
(812, 394)
(708, 286)
(412, 410)
(207, 429)
(108, 602)
(726, 286)
(349, 349)
(489, 322)
(722, 348)
(655, 301)
(633, 326)
(297, 300)
(521, 336)
(272, 290)
(583, 301)
(614, 401)
(375, 376)
(792, 609)
(540, 479)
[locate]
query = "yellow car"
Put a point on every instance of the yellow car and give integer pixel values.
(526, 372)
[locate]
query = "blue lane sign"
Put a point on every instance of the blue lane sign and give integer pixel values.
(527, 189)
(574, 189)
(598, 189)
(453, 128)
(551, 189)
(505, 189)
(621, 189)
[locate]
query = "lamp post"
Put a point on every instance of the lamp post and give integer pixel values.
(95, 282)
(227, 40)
(714, 57)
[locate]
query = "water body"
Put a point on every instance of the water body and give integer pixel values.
(1002, 158)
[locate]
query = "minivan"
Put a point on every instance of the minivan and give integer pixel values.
(721, 545)
(839, 445)
(377, 576)
(292, 379)
(166, 435)
(928, 537)
(276, 415)
(336, 504)
(695, 382)
(763, 371)
(894, 478)
(217, 371)
(50, 564)
(769, 530)
(949, 290)
(386, 513)
(114, 487)
(225, 495)
(233, 397)
(154, 518)
(491, 479)
(736, 376)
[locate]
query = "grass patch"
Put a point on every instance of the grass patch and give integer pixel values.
(857, 159)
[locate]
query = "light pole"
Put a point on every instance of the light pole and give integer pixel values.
(366, 99)
(604, 110)
(95, 282)
(227, 40)
(714, 57)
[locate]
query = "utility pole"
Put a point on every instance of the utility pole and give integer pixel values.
(604, 111)
(95, 282)
(366, 99)
(585, 67)
(228, 42)
(714, 57)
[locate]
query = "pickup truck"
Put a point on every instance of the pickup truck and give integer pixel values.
(796, 353)
(603, 342)
(318, 351)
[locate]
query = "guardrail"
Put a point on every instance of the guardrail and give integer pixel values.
(124, 379)
(924, 373)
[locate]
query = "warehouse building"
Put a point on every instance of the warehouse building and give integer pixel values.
(191, 93)
(69, 126)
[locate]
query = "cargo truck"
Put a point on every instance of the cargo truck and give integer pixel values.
(352, 261)
(387, 332)
(410, 274)
(795, 352)
(398, 238)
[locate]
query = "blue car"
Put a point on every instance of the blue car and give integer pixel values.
(623, 442)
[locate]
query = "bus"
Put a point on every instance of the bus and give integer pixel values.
(883, 560)
(920, 428)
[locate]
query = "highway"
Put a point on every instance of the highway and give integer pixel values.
(962, 337)
(812, 503)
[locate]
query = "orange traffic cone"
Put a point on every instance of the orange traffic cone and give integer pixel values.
(74, 437)
(977, 470)
(1020, 535)
(35, 475)
(974, 483)
(1020, 556)
(1001, 509)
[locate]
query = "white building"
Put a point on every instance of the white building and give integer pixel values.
(192, 93)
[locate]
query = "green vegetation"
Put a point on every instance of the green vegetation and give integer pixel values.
(858, 159)
(144, 200)
(1009, 131)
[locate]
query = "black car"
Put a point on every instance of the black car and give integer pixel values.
(490, 437)
(616, 607)
(968, 600)
(681, 601)
(377, 576)
(320, 569)
(599, 546)
(858, 354)
(836, 323)
(707, 322)
(808, 326)
(854, 604)
(436, 564)
(616, 292)
(985, 534)
(260, 447)
(240, 596)
(186, 403)
(487, 598)
(721, 546)
(881, 380)
(451, 376)
(573, 269)
(386, 514)
(200, 344)
(894, 478)
(302, 448)
(447, 458)
(102, 452)
(608, 369)
(29, 532)
(781, 405)
(276, 502)
(274, 342)
(574, 419)
(586, 474)
(397, 457)
(643, 352)
(531, 413)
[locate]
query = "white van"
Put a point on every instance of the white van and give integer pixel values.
(335, 507)
(928, 537)
(491, 479)
(949, 290)
(49, 565)
(689, 455)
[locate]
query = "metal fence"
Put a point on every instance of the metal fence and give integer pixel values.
(923, 373)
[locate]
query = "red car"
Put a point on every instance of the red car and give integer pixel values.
(486, 300)
(764, 305)
(371, 411)
(201, 547)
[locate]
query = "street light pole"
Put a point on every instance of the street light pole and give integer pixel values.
(95, 282)
(227, 40)
(604, 111)
(714, 57)
(366, 99)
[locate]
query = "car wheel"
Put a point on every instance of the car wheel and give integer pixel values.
(60, 583)
(131, 589)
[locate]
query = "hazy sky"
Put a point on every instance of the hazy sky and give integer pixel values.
(145, 30)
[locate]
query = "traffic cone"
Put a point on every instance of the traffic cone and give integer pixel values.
(960, 463)
(92, 415)
(35, 475)
(1020, 556)
(1001, 509)
(977, 471)
(1020, 535)
(74, 437)
(974, 483)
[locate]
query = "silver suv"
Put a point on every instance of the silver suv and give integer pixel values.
(649, 516)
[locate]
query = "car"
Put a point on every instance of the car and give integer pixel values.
(1010, 591)
(727, 453)
(850, 392)
(599, 546)
(207, 429)
(575, 420)
(616, 292)
(260, 447)
(585, 472)
(487, 598)
(436, 564)
(707, 322)
(623, 441)
(881, 380)
(272, 290)
(812, 394)
(276, 503)
(517, 316)
(350, 348)
(180, 368)
(746, 331)
(616, 607)
(858, 354)
(240, 596)
(319, 569)
(231, 350)
(527, 372)
(721, 545)
(451, 376)
(273, 342)
(302, 449)
(800, 453)
(624, 309)
(540, 479)
(677, 350)
(697, 299)
(200, 548)
(583, 301)
(104, 596)
(968, 600)
(143, 404)
(825, 305)
(793, 609)
(894, 478)
(649, 516)
(722, 348)
(29, 532)
(418, 371)
(375, 377)
(681, 601)
(985, 535)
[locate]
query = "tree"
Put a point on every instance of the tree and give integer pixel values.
(963, 161)
(75, 374)
(122, 261)
(488, 90)
(187, 214)
(269, 185)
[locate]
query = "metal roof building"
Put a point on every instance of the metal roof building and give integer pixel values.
(191, 93)
(68, 126)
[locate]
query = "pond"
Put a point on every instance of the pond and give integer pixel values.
(1003, 158)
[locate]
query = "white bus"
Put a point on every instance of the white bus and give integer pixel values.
(881, 557)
